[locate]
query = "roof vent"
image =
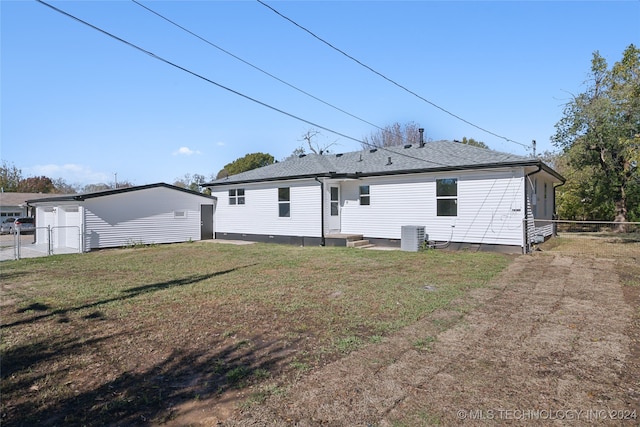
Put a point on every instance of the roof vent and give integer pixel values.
(373, 150)
(407, 146)
(360, 157)
(389, 161)
(302, 155)
(339, 155)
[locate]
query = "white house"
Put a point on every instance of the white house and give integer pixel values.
(147, 214)
(462, 195)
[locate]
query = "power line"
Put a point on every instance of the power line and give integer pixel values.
(399, 134)
(385, 77)
(252, 65)
(235, 92)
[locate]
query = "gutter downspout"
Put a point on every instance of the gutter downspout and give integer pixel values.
(526, 234)
(322, 239)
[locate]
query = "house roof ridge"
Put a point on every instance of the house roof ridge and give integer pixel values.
(434, 155)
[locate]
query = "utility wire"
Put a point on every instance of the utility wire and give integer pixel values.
(384, 130)
(264, 104)
(254, 66)
(387, 78)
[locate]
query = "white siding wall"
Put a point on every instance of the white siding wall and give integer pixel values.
(259, 214)
(490, 207)
(144, 216)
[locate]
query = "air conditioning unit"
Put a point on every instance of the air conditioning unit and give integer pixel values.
(412, 237)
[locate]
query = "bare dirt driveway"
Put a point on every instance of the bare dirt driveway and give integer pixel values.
(552, 341)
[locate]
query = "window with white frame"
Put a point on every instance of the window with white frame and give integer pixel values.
(236, 196)
(365, 195)
(447, 196)
(284, 202)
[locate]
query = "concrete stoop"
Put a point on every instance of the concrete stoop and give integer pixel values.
(360, 244)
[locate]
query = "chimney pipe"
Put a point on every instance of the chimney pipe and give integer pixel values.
(421, 130)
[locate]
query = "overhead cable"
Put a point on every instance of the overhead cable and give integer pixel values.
(235, 92)
(387, 78)
(254, 66)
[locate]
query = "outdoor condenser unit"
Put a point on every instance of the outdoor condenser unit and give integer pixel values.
(412, 237)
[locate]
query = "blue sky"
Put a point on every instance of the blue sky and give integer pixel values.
(81, 106)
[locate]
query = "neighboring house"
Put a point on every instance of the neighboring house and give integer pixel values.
(14, 205)
(147, 214)
(463, 196)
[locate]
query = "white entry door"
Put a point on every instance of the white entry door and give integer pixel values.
(334, 209)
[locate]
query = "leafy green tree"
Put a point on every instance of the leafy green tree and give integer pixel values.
(600, 135)
(246, 163)
(392, 135)
(10, 177)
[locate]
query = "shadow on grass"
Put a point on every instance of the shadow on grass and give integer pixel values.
(148, 397)
(127, 294)
(20, 359)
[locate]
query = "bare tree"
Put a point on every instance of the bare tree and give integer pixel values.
(310, 137)
(392, 135)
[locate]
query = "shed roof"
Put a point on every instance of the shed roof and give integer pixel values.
(84, 196)
(431, 157)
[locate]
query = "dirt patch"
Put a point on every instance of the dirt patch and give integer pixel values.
(553, 339)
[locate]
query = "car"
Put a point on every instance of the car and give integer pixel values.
(7, 225)
(25, 225)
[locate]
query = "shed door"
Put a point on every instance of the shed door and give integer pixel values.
(206, 222)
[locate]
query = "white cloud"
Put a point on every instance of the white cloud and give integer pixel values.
(70, 172)
(185, 151)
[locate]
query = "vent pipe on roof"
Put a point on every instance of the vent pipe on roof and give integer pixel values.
(389, 161)
(421, 130)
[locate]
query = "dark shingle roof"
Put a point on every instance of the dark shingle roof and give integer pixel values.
(433, 156)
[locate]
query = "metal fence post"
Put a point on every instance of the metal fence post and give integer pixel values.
(49, 243)
(16, 243)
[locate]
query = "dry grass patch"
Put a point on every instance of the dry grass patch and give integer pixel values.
(126, 336)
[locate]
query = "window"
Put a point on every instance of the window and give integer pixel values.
(335, 201)
(447, 196)
(284, 202)
(236, 197)
(365, 197)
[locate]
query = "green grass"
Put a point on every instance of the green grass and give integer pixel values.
(156, 325)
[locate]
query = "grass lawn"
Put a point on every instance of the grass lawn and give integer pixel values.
(122, 336)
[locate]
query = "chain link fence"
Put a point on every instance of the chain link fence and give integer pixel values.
(593, 238)
(43, 241)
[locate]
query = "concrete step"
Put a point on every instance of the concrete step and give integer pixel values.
(361, 244)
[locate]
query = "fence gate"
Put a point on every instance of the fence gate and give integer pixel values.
(47, 241)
